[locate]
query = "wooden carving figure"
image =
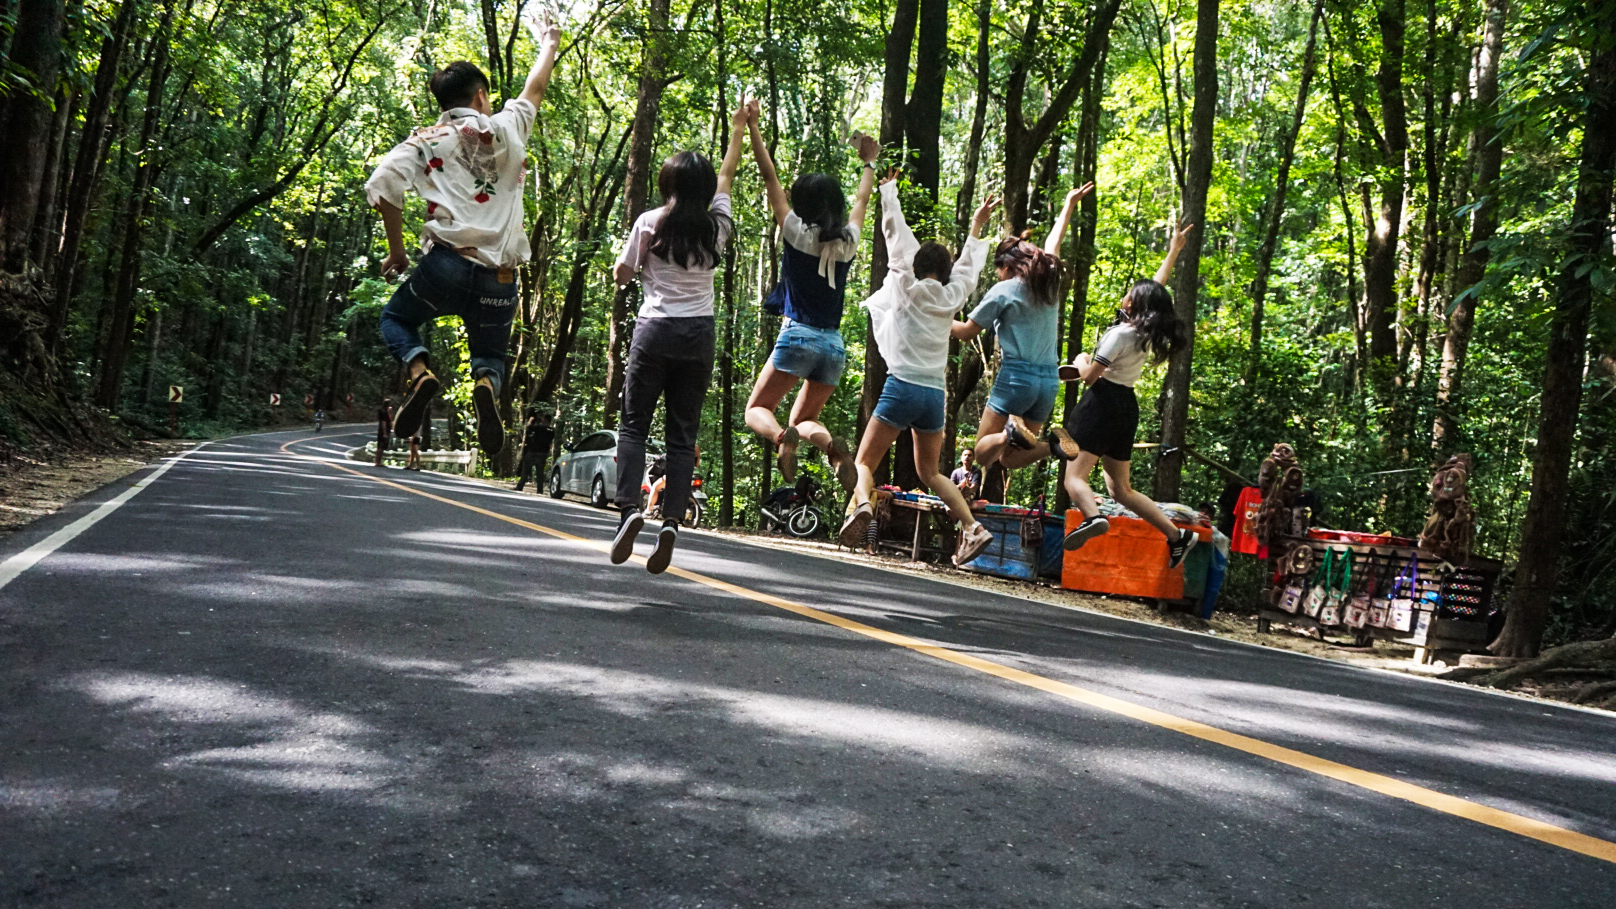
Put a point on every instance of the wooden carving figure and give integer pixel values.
(1451, 528)
(1280, 479)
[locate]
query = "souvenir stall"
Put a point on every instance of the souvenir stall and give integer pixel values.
(1431, 593)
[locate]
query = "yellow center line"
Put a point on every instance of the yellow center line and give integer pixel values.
(1542, 831)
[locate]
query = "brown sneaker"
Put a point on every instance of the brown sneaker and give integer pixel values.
(1018, 435)
(841, 457)
(856, 526)
(1061, 443)
(490, 432)
(787, 456)
(972, 541)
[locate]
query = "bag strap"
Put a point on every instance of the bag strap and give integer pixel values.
(1346, 573)
(1322, 576)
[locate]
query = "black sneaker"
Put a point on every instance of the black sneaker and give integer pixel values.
(407, 422)
(1178, 549)
(663, 553)
(490, 432)
(623, 543)
(1086, 531)
(1018, 435)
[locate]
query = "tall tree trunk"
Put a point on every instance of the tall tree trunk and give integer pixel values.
(1022, 139)
(894, 88)
(653, 80)
(964, 366)
(1381, 242)
(121, 324)
(87, 167)
(1087, 163)
(1282, 180)
(1542, 530)
(1175, 404)
(1488, 149)
(47, 221)
(27, 114)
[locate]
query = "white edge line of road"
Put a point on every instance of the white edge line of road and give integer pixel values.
(1392, 673)
(13, 567)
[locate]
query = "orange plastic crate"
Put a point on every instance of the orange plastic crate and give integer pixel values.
(1128, 560)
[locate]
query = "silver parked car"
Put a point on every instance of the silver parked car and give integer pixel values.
(588, 467)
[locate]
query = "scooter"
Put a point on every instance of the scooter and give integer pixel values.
(319, 420)
(695, 505)
(792, 508)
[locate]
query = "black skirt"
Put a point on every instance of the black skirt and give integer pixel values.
(1105, 420)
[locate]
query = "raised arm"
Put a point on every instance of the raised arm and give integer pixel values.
(1058, 234)
(901, 242)
(1174, 247)
(868, 150)
(732, 154)
(548, 35)
(972, 256)
(778, 204)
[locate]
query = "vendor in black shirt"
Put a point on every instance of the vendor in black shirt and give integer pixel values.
(537, 437)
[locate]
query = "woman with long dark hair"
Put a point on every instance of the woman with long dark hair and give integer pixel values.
(820, 243)
(1024, 310)
(673, 249)
(1101, 428)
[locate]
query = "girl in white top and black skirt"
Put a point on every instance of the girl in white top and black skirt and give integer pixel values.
(673, 249)
(1102, 426)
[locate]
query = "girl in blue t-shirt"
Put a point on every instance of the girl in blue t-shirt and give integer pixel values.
(820, 243)
(1023, 309)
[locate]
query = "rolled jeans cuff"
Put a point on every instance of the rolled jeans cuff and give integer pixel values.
(495, 373)
(416, 351)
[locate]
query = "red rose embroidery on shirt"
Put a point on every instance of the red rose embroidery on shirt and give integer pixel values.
(435, 162)
(481, 197)
(431, 207)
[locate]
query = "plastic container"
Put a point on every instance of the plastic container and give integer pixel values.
(1007, 557)
(1131, 560)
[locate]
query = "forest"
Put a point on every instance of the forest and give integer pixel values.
(1403, 245)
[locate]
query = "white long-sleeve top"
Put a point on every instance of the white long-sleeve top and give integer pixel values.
(911, 316)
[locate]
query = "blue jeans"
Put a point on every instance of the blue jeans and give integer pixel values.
(1025, 390)
(445, 283)
(815, 354)
(905, 405)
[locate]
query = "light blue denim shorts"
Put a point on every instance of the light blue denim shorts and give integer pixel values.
(1025, 390)
(815, 354)
(905, 405)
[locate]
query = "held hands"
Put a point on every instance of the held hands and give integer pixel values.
(744, 114)
(754, 111)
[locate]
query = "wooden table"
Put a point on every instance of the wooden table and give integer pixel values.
(920, 542)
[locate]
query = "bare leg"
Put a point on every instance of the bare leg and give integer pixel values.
(805, 414)
(991, 443)
(878, 437)
(1016, 458)
(771, 388)
(1077, 483)
(928, 449)
(1116, 481)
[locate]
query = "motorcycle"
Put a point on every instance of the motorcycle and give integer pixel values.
(319, 420)
(793, 509)
(695, 505)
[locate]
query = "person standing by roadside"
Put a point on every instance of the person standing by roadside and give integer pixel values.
(673, 250)
(413, 462)
(384, 428)
(537, 437)
(468, 167)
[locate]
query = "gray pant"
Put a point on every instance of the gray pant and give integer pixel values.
(670, 358)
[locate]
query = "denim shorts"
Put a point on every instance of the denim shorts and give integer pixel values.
(1025, 390)
(905, 405)
(815, 354)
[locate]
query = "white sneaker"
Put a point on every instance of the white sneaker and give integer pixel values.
(623, 543)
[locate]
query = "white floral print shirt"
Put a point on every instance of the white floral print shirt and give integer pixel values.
(468, 168)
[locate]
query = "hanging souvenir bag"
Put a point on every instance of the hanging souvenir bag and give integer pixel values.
(1335, 601)
(1405, 590)
(1321, 585)
(1357, 612)
(1298, 562)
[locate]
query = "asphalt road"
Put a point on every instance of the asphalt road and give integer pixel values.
(268, 680)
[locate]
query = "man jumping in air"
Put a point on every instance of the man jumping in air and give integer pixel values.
(468, 167)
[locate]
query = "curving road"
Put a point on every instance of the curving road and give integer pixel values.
(270, 677)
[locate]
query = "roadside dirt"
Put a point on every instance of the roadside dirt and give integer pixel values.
(32, 489)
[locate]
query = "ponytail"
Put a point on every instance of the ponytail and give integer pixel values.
(1039, 271)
